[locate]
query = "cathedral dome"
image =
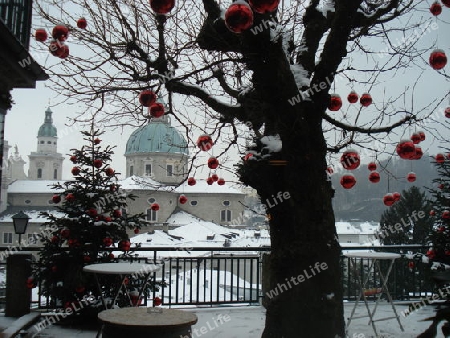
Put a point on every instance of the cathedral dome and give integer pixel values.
(158, 136)
(47, 129)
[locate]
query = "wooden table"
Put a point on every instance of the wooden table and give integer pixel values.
(139, 323)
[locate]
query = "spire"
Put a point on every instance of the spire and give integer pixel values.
(47, 129)
(48, 116)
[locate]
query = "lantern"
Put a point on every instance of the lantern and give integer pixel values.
(411, 177)
(436, 8)
(60, 33)
(215, 177)
(372, 166)
(397, 196)
(350, 159)
(182, 199)
(205, 142)
(352, 97)
(406, 149)
(440, 158)
(416, 138)
(191, 181)
(447, 112)
(213, 163)
(335, 102)
(81, 23)
(264, 6)
(162, 6)
(156, 110)
(40, 35)
(147, 98)
(221, 181)
(154, 206)
(239, 17)
(374, 177)
(446, 214)
(446, 3)
(388, 199)
(209, 181)
(365, 100)
(438, 59)
(348, 181)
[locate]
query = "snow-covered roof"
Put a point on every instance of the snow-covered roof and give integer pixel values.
(34, 215)
(32, 186)
(345, 228)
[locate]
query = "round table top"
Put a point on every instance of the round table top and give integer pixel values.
(121, 268)
(138, 316)
(373, 255)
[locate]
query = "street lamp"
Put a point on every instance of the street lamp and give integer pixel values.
(20, 221)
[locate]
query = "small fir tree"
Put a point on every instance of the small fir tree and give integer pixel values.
(93, 224)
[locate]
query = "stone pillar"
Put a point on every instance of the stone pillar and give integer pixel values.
(18, 296)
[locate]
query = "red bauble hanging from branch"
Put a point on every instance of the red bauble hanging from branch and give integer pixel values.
(372, 166)
(182, 199)
(411, 177)
(213, 163)
(205, 142)
(154, 206)
(365, 100)
(335, 102)
(374, 177)
(436, 8)
(215, 177)
(446, 214)
(397, 196)
(388, 199)
(446, 3)
(440, 158)
(239, 17)
(418, 154)
(416, 138)
(209, 181)
(447, 112)
(60, 33)
(162, 6)
(406, 150)
(348, 181)
(81, 23)
(191, 181)
(40, 35)
(147, 98)
(350, 159)
(221, 181)
(330, 170)
(58, 49)
(352, 97)
(438, 59)
(264, 6)
(156, 110)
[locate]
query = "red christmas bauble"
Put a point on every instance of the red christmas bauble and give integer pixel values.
(162, 6)
(55, 239)
(388, 199)
(215, 177)
(117, 213)
(411, 177)
(422, 136)
(60, 32)
(97, 140)
(330, 170)
(147, 98)
(157, 301)
(107, 219)
(209, 181)
(239, 17)
(447, 112)
(98, 163)
(107, 241)
(76, 171)
(372, 166)
(109, 172)
(65, 233)
(248, 156)
(441, 186)
(416, 138)
(350, 159)
(81, 23)
(213, 163)
(438, 59)
(406, 149)
(440, 158)
(418, 154)
(40, 35)
(73, 158)
(73, 243)
(374, 177)
(432, 213)
(436, 8)
(352, 97)
(92, 212)
(348, 181)
(446, 3)
(191, 181)
(411, 265)
(430, 254)
(441, 229)
(205, 142)
(397, 196)
(155, 206)
(221, 181)
(156, 110)
(446, 214)
(182, 199)
(65, 52)
(124, 245)
(70, 197)
(335, 102)
(111, 255)
(112, 187)
(56, 198)
(58, 49)
(366, 100)
(264, 6)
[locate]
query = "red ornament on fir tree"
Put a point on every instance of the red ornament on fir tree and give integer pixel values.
(330, 170)
(205, 142)
(438, 59)
(154, 206)
(411, 177)
(264, 6)
(411, 265)
(92, 212)
(55, 239)
(350, 159)
(136, 230)
(76, 171)
(221, 181)
(56, 199)
(415, 138)
(215, 177)
(352, 97)
(447, 112)
(124, 245)
(157, 301)
(109, 172)
(98, 163)
(97, 140)
(191, 181)
(147, 98)
(73, 158)
(40, 35)
(60, 32)
(397, 196)
(372, 166)
(162, 6)
(374, 177)
(117, 213)
(348, 181)
(432, 213)
(156, 110)
(239, 17)
(209, 181)
(182, 199)
(446, 214)
(365, 100)
(65, 233)
(70, 197)
(335, 102)
(82, 23)
(388, 199)
(107, 241)
(440, 158)
(436, 8)
(213, 163)
(406, 149)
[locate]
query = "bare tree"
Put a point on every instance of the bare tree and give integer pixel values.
(265, 90)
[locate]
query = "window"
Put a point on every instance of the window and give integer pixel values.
(55, 174)
(27, 201)
(151, 200)
(169, 170)
(39, 173)
(193, 203)
(42, 142)
(226, 203)
(152, 215)
(7, 238)
(49, 142)
(148, 169)
(131, 170)
(225, 215)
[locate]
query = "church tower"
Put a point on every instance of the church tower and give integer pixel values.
(46, 162)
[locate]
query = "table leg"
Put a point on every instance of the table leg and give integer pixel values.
(100, 291)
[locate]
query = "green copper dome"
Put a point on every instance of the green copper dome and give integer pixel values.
(47, 129)
(158, 136)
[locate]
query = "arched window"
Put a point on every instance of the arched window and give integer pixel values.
(39, 173)
(55, 174)
(131, 170)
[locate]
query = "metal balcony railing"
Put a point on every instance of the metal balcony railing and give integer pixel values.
(16, 15)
